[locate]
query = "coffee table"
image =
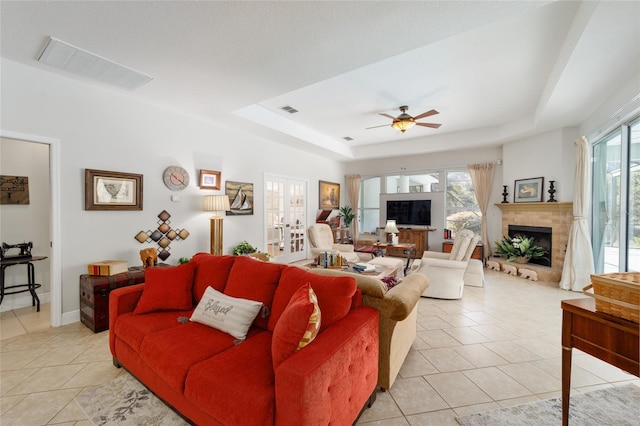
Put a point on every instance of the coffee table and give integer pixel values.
(380, 272)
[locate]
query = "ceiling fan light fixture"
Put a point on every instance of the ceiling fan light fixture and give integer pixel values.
(404, 124)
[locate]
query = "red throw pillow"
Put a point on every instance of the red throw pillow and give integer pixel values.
(298, 325)
(166, 289)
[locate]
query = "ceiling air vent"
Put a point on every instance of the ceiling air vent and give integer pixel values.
(347, 138)
(289, 109)
(86, 64)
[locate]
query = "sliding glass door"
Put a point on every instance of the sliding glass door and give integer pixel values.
(616, 200)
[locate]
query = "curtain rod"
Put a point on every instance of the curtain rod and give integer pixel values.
(616, 115)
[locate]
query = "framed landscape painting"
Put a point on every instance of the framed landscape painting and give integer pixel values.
(528, 190)
(105, 190)
(329, 195)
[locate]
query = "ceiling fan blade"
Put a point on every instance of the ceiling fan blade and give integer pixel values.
(387, 115)
(375, 127)
(426, 114)
(432, 125)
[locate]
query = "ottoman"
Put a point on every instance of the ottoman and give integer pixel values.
(474, 274)
(394, 262)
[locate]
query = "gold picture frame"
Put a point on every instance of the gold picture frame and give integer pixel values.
(106, 190)
(210, 179)
(329, 195)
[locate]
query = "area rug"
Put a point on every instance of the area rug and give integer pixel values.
(124, 401)
(618, 406)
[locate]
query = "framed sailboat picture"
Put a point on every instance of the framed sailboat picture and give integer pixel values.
(241, 198)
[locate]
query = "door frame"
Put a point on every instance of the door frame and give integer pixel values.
(55, 270)
(267, 177)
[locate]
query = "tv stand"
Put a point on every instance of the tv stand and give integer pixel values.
(417, 236)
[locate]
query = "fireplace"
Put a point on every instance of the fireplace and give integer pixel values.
(542, 237)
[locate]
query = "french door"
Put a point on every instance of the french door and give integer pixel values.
(285, 218)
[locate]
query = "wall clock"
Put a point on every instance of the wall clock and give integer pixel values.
(175, 178)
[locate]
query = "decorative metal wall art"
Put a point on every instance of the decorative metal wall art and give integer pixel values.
(163, 235)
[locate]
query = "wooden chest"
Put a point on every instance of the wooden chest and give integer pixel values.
(94, 295)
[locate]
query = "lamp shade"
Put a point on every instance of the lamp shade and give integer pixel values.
(216, 203)
(403, 125)
(391, 227)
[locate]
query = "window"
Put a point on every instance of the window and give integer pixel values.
(412, 183)
(369, 205)
(615, 234)
(461, 208)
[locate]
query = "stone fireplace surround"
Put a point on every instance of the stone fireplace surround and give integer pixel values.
(557, 216)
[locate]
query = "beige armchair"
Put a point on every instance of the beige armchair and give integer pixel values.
(398, 309)
(446, 270)
(321, 240)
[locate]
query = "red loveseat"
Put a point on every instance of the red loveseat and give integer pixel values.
(213, 378)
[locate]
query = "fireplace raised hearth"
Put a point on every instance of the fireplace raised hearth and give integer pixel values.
(541, 236)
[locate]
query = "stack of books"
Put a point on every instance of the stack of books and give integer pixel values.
(364, 267)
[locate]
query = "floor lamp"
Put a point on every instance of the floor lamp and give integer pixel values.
(216, 204)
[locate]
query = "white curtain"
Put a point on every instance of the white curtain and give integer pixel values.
(482, 179)
(353, 190)
(578, 260)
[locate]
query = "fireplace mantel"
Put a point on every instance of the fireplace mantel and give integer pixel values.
(536, 207)
(557, 216)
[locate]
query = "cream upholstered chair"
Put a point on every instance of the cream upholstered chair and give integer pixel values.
(446, 270)
(321, 240)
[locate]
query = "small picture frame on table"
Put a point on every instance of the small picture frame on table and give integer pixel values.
(210, 179)
(528, 190)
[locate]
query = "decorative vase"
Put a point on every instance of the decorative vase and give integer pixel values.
(504, 194)
(521, 259)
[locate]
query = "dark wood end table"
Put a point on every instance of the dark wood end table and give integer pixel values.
(611, 339)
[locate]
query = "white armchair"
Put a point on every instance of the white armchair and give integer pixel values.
(321, 240)
(446, 270)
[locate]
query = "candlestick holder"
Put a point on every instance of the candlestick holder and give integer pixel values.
(504, 194)
(552, 191)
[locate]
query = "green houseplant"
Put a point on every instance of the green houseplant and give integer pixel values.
(246, 248)
(347, 213)
(520, 249)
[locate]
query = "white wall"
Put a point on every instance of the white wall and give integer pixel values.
(107, 130)
(549, 155)
(23, 223)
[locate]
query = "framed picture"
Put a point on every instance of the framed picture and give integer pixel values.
(329, 195)
(105, 190)
(240, 198)
(528, 190)
(14, 189)
(209, 179)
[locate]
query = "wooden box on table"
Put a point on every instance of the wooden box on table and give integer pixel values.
(94, 295)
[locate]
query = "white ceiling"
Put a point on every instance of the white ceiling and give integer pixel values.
(496, 71)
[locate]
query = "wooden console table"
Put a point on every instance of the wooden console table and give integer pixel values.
(478, 252)
(603, 336)
(30, 285)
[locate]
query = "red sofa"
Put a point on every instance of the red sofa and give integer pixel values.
(211, 378)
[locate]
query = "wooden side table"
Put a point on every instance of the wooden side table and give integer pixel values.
(611, 339)
(478, 252)
(31, 284)
(408, 250)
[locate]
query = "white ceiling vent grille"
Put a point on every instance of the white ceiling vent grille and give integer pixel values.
(80, 62)
(289, 109)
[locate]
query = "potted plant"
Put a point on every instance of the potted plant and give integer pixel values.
(347, 213)
(244, 248)
(520, 249)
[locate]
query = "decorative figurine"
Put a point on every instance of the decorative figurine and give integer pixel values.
(504, 194)
(552, 190)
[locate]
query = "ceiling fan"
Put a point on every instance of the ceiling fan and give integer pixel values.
(404, 121)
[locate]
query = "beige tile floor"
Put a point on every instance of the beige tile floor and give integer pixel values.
(497, 346)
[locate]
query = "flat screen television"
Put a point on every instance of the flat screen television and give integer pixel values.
(409, 212)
